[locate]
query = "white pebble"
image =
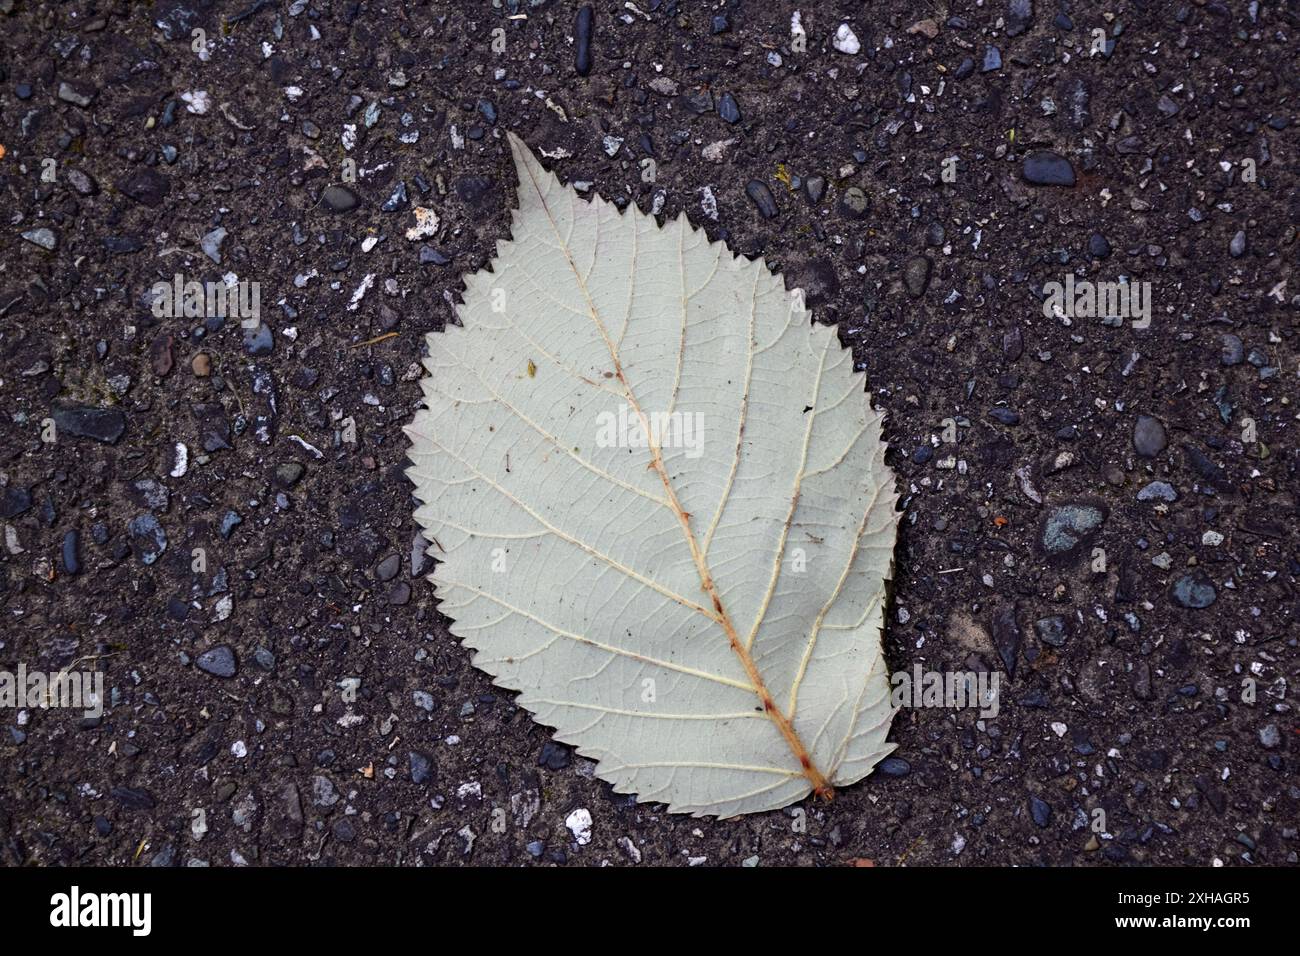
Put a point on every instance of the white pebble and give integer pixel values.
(182, 461)
(709, 203)
(579, 824)
(426, 224)
(630, 849)
(361, 291)
(197, 102)
(846, 41)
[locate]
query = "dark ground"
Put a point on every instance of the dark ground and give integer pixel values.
(1138, 712)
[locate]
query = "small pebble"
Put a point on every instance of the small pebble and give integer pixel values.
(1158, 491)
(1046, 168)
(1149, 437)
(218, 661)
(339, 199)
(582, 29)
(762, 198)
(1194, 591)
(846, 41)
(1040, 810)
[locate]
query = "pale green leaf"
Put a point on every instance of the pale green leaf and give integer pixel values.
(700, 614)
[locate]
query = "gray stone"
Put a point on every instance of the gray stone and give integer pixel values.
(77, 96)
(218, 661)
(1194, 591)
(43, 237)
(421, 767)
(728, 109)
(387, 569)
(1020, 13)
(259, 340)
(1141, 684)
(916, 275)
(323, 791)
(211, 244)
(1149, 437)
(82, 182)
(148, 537)
(853, 203)
(1232, 350)
(1053, 630)
(339, 199)
(1067, 526)
(289, 474)
(1158, 491)
(419, 556)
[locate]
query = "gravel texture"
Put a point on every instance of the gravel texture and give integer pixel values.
(1114, 530)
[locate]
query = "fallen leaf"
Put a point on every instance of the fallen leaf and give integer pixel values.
(683, 571)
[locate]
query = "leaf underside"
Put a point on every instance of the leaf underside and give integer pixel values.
(701, 613)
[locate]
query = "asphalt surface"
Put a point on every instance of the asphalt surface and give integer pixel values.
(923, 190)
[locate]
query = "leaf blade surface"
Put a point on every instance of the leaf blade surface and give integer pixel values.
(699, 612)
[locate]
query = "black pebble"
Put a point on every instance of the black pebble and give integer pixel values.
(1098, 246)
(582, 35)
(1040, 810)
(84, 421)
(554, 756)
(1045, 168)
(15, 501)
(728, 108)
(762, 197)
(71, 562)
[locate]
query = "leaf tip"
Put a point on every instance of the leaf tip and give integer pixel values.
(523, 156)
